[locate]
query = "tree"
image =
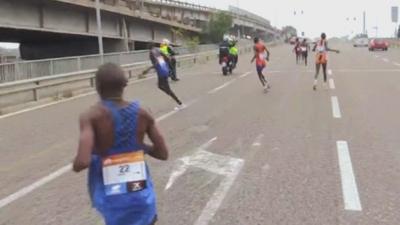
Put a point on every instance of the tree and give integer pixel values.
(219, 24)
(289, 32)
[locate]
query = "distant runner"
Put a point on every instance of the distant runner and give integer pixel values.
(305, 47)
(297, 50)
(322, 49)
(261, 55)
(111, 145)
(159, 61)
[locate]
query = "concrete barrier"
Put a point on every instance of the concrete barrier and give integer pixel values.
(16, 95)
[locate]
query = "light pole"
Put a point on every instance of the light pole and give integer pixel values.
(301, 14)
(99, 31)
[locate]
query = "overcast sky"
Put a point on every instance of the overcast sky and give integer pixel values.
(318, 16)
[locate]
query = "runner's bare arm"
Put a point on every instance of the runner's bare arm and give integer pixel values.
(315, 47)
(329, 49)
(268, 54)
(86, 144)
(159, 149)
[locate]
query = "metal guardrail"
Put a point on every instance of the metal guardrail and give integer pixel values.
(183, 4)
(22, 70)
(33, 90)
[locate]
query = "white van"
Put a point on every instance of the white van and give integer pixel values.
(361, 40)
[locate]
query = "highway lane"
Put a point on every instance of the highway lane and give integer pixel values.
(286, 140)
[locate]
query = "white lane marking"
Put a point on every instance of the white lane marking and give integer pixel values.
(330, 72)
(179, 170)
(216, 200)
(396, 63)
(351, 197)
(245, 75)
(46, 105)
(226, 84)
(332, 84)
(173, 112)
(65, 100)
(26, 190)
(335, 107)
(218, 164)
(71, 99)
(385, 60)
(377, 56)
(257, 141)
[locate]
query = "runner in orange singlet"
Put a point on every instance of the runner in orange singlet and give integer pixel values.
(261, 55)
(321, 47)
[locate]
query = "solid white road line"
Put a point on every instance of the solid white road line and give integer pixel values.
(330, 72)
(226, 84)
(28, 189)
(335, 107)
(66, 100)
(71, 99)
(351, 197)
(46, 105)
(245, 75)
(396, 63)
(331, 84)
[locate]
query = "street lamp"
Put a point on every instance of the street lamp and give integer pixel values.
(300, 13)
(99, 30)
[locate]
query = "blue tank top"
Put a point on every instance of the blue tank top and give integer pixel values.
(129, 207)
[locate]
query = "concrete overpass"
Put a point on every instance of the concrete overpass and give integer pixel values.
(56, 28)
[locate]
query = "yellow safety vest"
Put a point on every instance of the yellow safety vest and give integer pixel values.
(164, 50)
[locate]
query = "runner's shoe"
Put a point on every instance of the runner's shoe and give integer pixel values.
(180, 107)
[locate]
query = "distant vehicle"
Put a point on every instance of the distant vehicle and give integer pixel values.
(361, 40)
(380, 44)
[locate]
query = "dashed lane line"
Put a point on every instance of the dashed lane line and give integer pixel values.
(351, 196)
(332, 84)
(335, 107)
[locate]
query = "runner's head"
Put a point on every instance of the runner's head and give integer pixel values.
(256, 40)
(110, 81)
(323, 36)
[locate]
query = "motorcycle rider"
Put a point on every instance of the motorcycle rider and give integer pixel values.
(224, 49)
(233, 52)
(167, 50)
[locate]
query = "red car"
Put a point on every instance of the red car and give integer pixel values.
(378, 44)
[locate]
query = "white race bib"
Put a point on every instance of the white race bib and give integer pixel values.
(124, 173)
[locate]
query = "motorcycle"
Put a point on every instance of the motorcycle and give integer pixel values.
(227, 66)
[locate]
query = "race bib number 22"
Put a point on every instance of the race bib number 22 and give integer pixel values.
(124, 173)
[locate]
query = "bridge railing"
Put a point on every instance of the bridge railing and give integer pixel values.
(183, 4)
(23, 70)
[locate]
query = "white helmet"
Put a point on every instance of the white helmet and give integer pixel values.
(226, 38)
(165, 41)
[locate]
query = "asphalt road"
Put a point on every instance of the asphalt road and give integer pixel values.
(290, 156)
